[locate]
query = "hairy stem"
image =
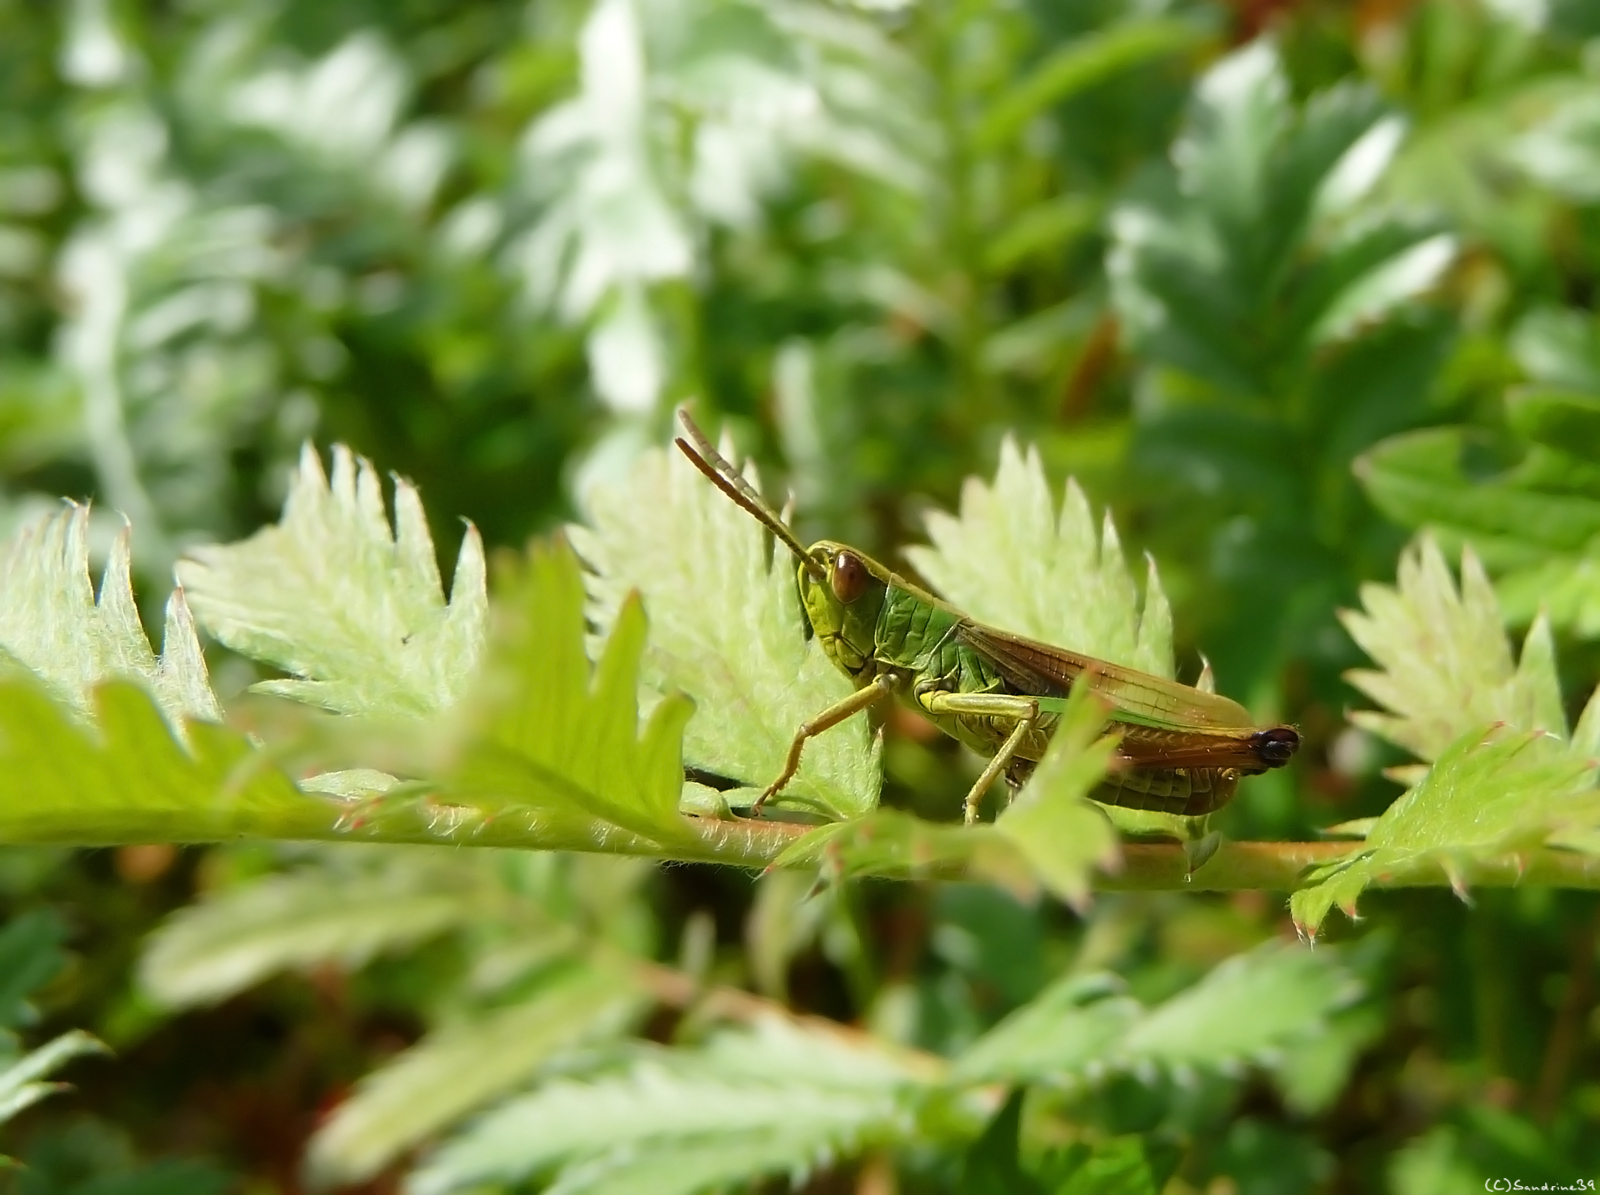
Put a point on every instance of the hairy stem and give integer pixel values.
(752, 843)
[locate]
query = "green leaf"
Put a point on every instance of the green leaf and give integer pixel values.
(547, 736)
(1565, 589)
(353, 609)
(454, 1071)
(1120, 1166)
(1012, 561)
(1044, 228)
(128, 779)
(1237, 266)
(1565, 420)
(1446, 665)
(1051, 822)
(30, 957)
(51, 624)
(1062, 1032)
(1558, 347)
(1485, 796)
(773, 1099)
(1563, 152)
(20, 1081)
(341, 913)
(1075, 67)
(1514, 516)
(726, 628)
(992, 1166)
(1244, 1010)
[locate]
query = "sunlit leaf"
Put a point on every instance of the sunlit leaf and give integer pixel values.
(1051, 822)
(1487, 795)
(52, 624)
(1013, 561)
(128, 780)
(726, 628)
(352, 608)
(550, 736)
(1446, 665)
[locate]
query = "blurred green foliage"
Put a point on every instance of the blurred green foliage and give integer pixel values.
(1279, 283)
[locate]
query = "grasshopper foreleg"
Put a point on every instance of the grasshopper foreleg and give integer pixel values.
(880, 688)
(987, 705)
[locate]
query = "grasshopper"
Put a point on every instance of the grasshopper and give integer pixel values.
(1181, 750)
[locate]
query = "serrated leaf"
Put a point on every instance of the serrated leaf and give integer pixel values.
(1446, 663)
(20, 1081)
(51, 623)
(1487, 795)
(1010, 560)
(1249, 255)
(778, 1097)
(1051, 822)
(230, 941)
(454, 1071)
(1514, 517)
(352, 608)
(127, 779)
(1083, 1027)
(1245, 1007)
(726, 628)
(1058, 1034)
(552, 737)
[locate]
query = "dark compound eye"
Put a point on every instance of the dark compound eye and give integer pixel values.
(848, 577)
(1275, 746)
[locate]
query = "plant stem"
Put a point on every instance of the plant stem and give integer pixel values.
(1237, 866)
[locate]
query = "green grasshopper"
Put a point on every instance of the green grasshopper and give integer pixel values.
(1181, 750)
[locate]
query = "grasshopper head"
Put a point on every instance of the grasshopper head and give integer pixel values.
(842, 603)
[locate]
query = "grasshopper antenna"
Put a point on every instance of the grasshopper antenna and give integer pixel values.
(732, 483)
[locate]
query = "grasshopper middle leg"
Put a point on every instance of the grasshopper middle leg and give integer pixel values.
(1025, 710)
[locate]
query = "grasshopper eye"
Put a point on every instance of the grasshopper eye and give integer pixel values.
(848, 576)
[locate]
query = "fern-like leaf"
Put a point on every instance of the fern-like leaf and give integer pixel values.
(1084, 1028)
(454, 1071)
(337, 913)
(726, 628)
(778, 1098)
(51, 623)
(1011, 560)
(352, 608)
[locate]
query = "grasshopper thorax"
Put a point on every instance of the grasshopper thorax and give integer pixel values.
(842, 602)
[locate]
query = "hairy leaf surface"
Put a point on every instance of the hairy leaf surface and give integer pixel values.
(726, 628)
(352, 608)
